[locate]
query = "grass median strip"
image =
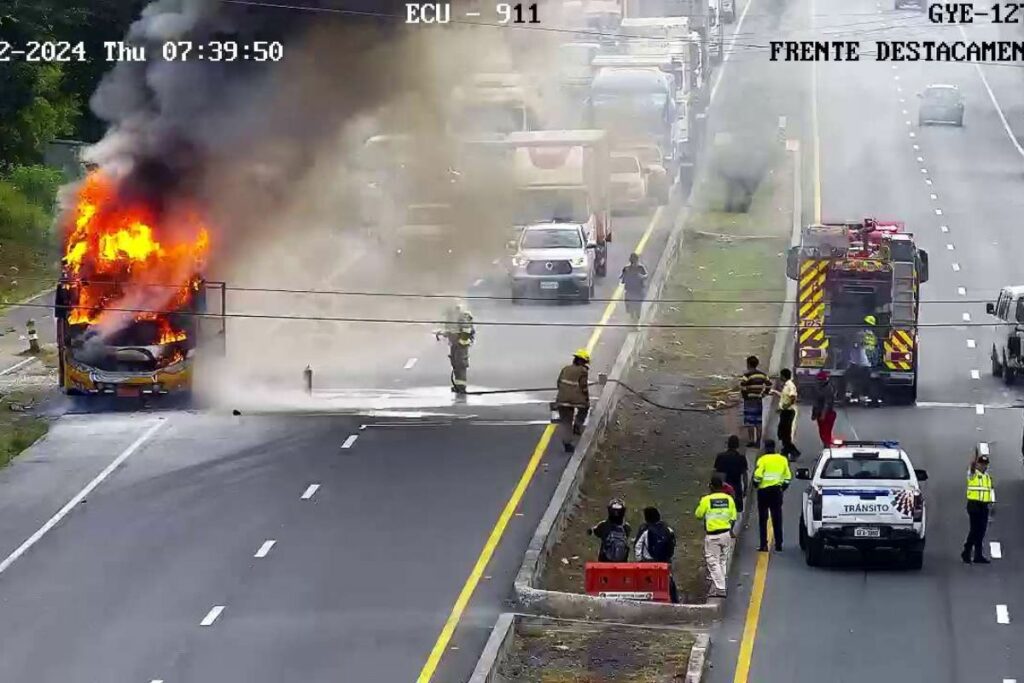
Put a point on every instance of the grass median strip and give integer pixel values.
(19, 428)
(651, 456)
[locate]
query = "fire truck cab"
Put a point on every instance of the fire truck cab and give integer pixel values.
(846, 272)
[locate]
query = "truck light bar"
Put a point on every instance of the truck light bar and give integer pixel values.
(883, 444)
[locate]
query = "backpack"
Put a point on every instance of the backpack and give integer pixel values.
(660, 544)
(615, 545)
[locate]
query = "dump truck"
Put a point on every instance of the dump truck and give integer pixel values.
(565, 176)
(846, 272)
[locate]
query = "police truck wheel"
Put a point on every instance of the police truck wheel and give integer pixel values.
(803, 535)
(815, 552)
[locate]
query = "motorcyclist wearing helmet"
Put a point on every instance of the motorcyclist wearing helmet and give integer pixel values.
(573, 398)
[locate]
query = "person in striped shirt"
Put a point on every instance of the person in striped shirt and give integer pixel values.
(754, 386)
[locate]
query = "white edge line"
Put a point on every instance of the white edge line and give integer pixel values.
(212, 615)
(349, 441)
(995, 102)
(409, 363)
(310, 490)
(265, 548)
(995, 549)
(79, 497)
(1002, 614)
(728, 52)
(17, 365)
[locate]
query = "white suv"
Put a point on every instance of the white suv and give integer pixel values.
(863, 494)
(553, 260)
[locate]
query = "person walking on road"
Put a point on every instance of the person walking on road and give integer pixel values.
(733, 467)
(634, 281)
(573, 398)
(824, 410)
(613, 533)
(718, 510)
(772, 477)
(981, 495)
(656, 542)
(754, 386)
(787, 415)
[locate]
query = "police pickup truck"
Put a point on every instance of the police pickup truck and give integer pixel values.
(865, 495)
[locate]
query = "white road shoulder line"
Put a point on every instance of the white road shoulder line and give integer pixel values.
(310, 490)
(349, 441)
(983, 448)
(995, 550)
(212, 615)
(79, 497)
(1002, 614)
(409, 363)
(995, 102)
(729, 51)
(265, 548)
(19, 364)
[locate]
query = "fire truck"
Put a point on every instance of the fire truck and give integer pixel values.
(846, 272)
(144, 354)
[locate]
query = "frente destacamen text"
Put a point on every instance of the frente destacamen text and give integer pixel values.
(898, 51)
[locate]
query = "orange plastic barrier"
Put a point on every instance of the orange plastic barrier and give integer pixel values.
(631, 580)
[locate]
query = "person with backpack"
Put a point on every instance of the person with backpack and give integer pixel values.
(718, 510)
(656, 542)
(613, 533)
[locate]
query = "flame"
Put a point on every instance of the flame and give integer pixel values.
(121, 253)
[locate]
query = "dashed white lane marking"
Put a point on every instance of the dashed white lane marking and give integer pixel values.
(17, 365)
(478, 282)
(265, 549)
(908, 122)
(157, 680)
(979, 409)
(983, 448)
(310, 490)
(903, 100)
(975, 374)
(904, 110)
(896, 78)
(920, 160)
(967, 317)
(1009, 680)
(970, 343)
(212, 615)
(917, 148)
(79, 497)
(927, 181)
(995, 549)
(944, 228)
(949, 247)
(924, 170)
(933, 196)
(349, 441)
(913, 134)
(956, 267)
(1002, 614)
(938, 212)
(962, 291)
(409, 363)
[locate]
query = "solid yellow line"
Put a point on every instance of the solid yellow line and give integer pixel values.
(753, 614)
(485, 556)
(468, 588)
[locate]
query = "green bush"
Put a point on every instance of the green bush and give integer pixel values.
(20, 219)
(39, 184)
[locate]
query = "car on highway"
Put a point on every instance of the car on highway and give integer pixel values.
(653, 162)
(1007, 333)
(941, 104)
(553, 260)
(864, 495)
(628, 182)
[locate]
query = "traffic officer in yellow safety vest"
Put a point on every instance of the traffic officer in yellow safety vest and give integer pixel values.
(718, 510)
(460, 333)
(981, 495)
(573, 398)
(772, 477)
(869, 340)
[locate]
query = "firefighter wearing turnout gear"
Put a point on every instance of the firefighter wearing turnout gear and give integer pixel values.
(573, 398)
(981, 494)
(460, 333)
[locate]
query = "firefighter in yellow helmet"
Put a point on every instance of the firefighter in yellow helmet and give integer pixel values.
(460, 333)
(869, 340)
(573, 398)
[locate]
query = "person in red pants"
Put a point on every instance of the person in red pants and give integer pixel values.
(824, 411)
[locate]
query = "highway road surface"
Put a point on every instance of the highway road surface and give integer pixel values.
(189, 546)
(959, 190)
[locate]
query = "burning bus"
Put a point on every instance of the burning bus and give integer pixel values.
(132, 305)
